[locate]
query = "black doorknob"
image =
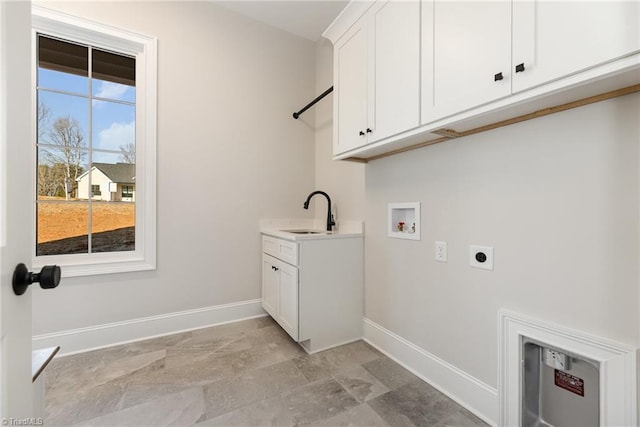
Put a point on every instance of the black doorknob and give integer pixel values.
(49, 278)
(497, 77)
(361, 133)
(369, 130)
(520, 68)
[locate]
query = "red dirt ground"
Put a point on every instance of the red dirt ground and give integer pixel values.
(58, 221)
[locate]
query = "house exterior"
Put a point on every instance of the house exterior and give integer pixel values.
(109, 182)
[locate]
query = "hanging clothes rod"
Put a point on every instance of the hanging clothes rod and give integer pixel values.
(312, 103)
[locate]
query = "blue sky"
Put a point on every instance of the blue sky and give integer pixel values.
(113, 123)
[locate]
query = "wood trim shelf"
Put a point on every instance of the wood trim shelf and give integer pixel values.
(453, 134)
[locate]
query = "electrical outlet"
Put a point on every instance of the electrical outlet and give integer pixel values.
(481, 257)
(441, 251)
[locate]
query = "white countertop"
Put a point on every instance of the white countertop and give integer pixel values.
(278, 228)
(321, 235)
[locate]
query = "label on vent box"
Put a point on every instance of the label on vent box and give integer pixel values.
(569, 382)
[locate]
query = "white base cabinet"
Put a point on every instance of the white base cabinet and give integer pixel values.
(317, 297)
(280, 293)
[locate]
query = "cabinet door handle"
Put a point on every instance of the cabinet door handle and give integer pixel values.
(361, 133)
(497, 77)
(369, 130)
(520, 68)
(275, 268)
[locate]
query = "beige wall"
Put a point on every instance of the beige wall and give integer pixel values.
(557, 197)
(229, 153)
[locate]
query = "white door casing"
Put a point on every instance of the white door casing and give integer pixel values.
(16, 208)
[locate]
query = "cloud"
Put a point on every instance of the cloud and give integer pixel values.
(111, 90)
(117, 135)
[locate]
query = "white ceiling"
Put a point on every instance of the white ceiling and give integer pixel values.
(305, 18)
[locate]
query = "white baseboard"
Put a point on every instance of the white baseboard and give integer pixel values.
(473, 394)
(110, 334)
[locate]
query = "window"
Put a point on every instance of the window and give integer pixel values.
(127, 192)
(94, 146)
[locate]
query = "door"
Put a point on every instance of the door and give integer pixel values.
(553, 39)
(350, 102)
(395, 95)
(270, 285)
(472, 54)
(288, 295)
(16, 390)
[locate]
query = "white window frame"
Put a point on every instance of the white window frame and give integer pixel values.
(144, 49)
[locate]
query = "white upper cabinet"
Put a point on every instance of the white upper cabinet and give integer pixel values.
(407, 72)
(476, 52)
(395, 43)
(350, 89)
(377, 75)
(553, 39)
(466, 54)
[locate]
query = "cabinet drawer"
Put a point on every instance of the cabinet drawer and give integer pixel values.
(281, 249)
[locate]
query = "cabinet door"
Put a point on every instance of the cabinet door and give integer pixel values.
(394, 96)
(472, 43)
(427, 50)
(350, 101)
(270, 278)
(288, 299)
(553, 39)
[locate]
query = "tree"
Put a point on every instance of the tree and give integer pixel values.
(50, 182)
(51, 179)
(128, 154)
(66, 136)
(44, 116)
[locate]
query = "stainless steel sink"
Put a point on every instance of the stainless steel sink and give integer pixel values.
(304, 231)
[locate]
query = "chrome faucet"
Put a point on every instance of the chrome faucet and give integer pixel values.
(330, 221)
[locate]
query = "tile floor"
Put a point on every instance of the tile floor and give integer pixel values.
(248, 373)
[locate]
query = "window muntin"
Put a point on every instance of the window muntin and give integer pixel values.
(142, 154)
